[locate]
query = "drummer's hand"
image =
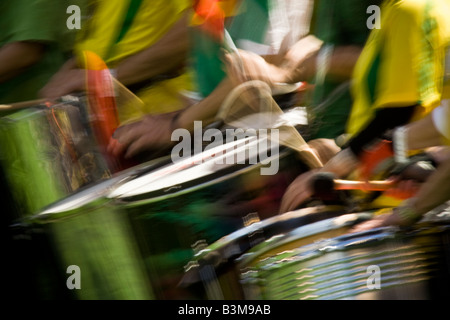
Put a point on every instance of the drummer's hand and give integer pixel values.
(402, 189)
(63, 83)
(392, 219)
(249, 66)
(338, 162)
(298, 192)
(399, 216)
(150, 133)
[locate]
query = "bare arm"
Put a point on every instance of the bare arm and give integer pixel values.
(300, 63)
(164, 56)
(155, 131)
(17, 56)
(423, 134)
(435, 191)
(206, 109)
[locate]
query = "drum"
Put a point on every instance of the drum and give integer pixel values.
(384, 263)
(48, 153)
(216, 266)
(131, 235)
(191, 202)
(88, 231)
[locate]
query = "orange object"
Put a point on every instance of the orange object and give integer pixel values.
(371, 159)
(103, 114)
(210, 15)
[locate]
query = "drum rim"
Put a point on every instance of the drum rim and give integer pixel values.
(196, 184)
(92, 201)
(301, 232)
(220, 253)
(418, 229)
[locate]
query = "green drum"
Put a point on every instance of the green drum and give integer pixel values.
(131, 235)
(175, 210)
(88, 233)
(385, 263)
(48, 153)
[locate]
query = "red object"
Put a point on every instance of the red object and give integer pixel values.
(211, 17)
(372, 158)
(103, 113)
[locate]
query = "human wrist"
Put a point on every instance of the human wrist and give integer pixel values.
(175, 121)
(408, 212)
(342, 163)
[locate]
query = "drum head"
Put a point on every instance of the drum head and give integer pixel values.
(382, 263)
(91, 195)
(235, 247)
(199, 171)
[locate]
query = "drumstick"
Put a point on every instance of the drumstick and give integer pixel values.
(325, 183)
(22, 105)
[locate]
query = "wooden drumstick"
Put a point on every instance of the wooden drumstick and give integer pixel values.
(324, 183)
(21, 105)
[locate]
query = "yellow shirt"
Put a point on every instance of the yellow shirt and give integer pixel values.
(121, 28)
(402, 62)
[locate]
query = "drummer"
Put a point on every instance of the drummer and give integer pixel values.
(33, 45)
(144, 43)
(431, 131)
(156, 132)
(393, 86)
(34, 42)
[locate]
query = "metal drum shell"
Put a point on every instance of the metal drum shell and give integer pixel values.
(219, 265)
(48, 153)
(413, 265)
(169, 221)
(99, 240)
(89, 230)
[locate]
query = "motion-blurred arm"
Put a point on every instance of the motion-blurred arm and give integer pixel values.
(15, 57)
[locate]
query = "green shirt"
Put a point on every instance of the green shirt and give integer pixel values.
(206, 51)
(34, 20)
(339, 23)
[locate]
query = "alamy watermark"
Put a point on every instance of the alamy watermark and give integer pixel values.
(374, 20)
(74, 280)
(229, 147)
(74, 20)
(373, 282)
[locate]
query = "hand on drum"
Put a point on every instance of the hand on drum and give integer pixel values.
(152, 132)
(63, 83)
(403, 189)
(385, 220)
(298, 191)
(245, 66)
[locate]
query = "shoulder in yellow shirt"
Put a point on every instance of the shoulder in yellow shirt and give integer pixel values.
(402, 62)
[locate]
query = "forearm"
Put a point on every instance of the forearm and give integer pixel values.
(384, 120)
(343, 61)
(422, 134)
(300, 63)
(435, 191)
(164, 56)
(17, 56)
(347, 159)
(206, 109)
